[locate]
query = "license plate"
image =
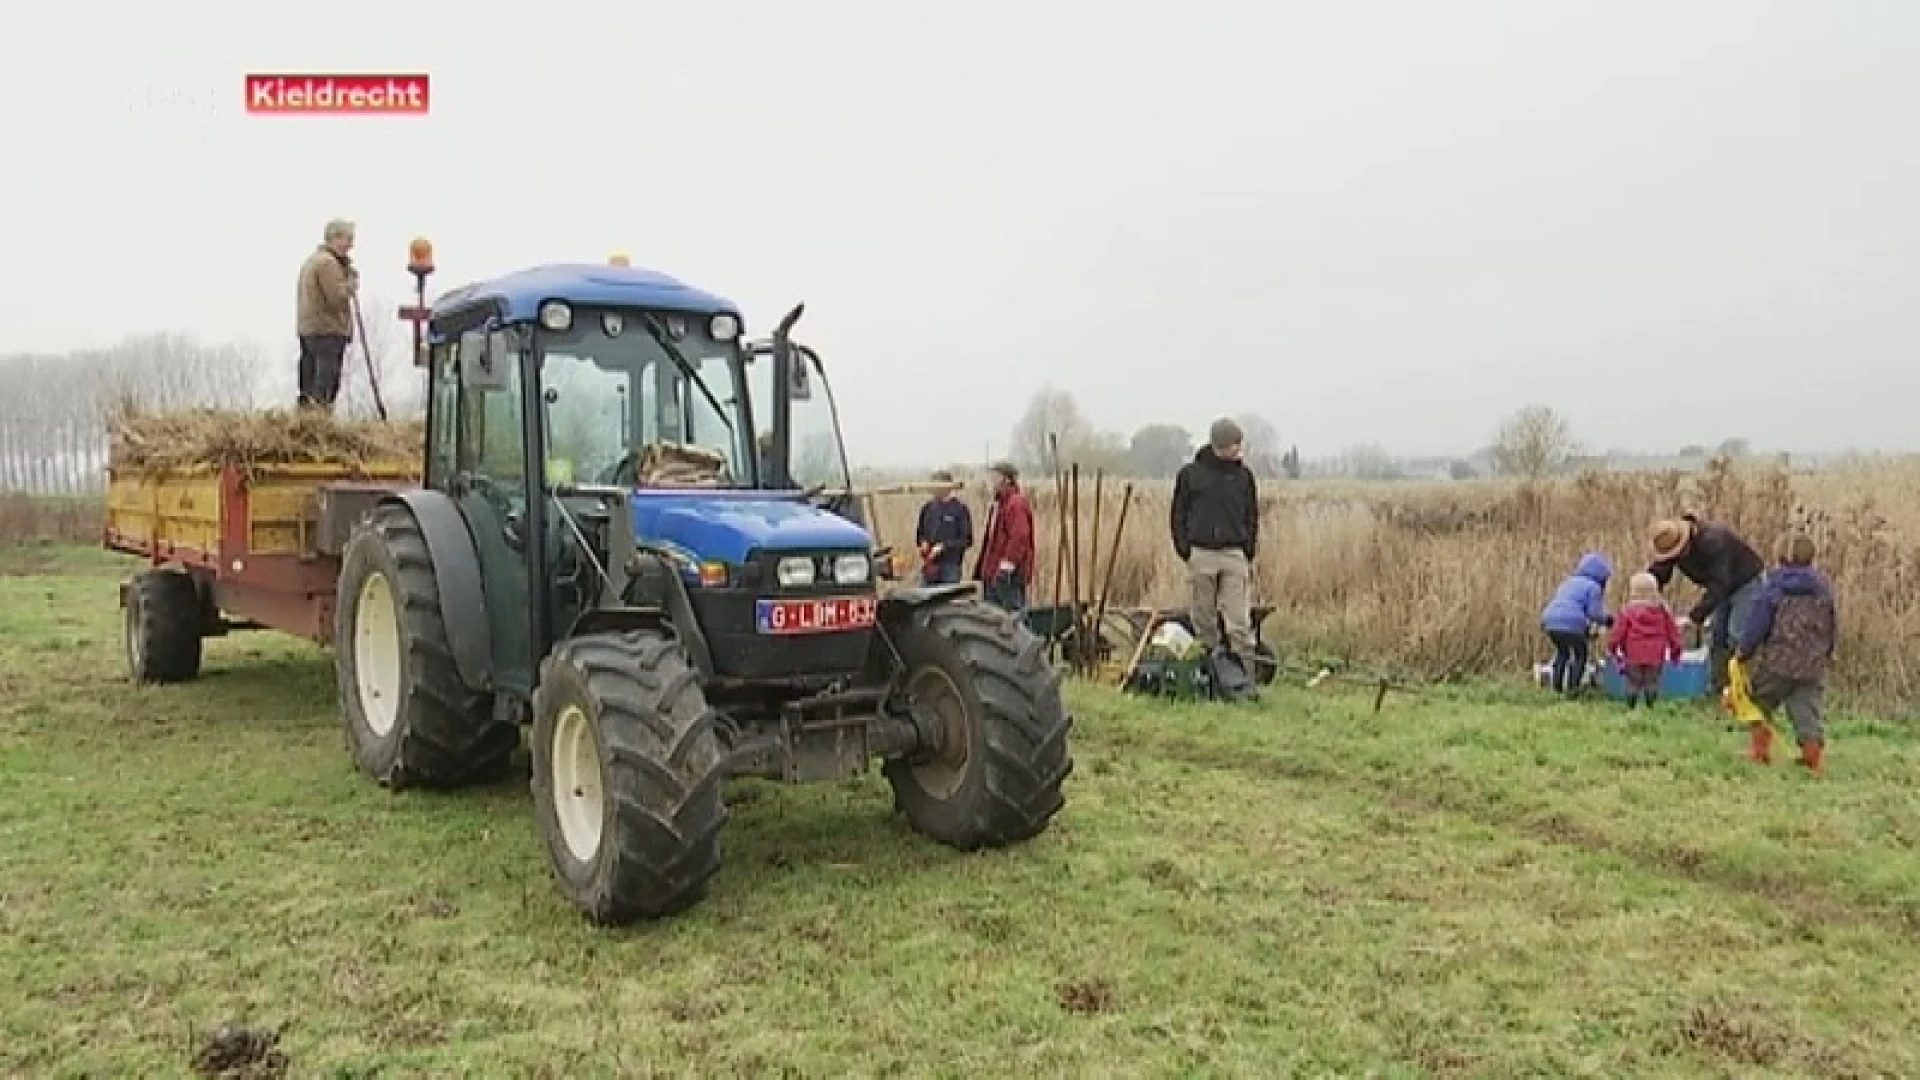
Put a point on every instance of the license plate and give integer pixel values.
(822, 616)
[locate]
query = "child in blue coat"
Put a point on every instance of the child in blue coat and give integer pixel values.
(1578, 605)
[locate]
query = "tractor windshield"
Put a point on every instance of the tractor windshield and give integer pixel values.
(611, 391)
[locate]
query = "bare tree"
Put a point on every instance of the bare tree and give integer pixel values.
(1367, 461)
(1533, 443)
(53, 436)
(1051, 414)
(1159, 450)
(1262, 445)
(403, 386)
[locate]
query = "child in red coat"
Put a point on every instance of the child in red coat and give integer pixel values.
(1644, 640)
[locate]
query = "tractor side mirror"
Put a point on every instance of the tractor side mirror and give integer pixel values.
(486, 359)
(799, 378)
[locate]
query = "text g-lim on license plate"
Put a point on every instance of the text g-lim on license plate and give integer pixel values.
(815, 616)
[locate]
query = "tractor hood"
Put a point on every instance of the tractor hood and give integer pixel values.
(725, 526)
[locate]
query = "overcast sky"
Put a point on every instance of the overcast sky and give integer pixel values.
(1369, 221)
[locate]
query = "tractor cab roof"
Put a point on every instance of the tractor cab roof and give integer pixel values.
(517, 297)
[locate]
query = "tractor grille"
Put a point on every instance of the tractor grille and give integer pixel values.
(740, 651)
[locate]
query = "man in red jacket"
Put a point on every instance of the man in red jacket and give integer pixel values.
(1005, 568)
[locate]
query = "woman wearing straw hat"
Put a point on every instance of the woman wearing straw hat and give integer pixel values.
(1715, 558)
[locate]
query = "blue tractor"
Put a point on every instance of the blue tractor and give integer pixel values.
(607, 550)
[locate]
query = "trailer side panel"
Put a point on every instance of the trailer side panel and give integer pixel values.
(259, 542)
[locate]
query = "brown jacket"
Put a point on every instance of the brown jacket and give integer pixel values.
(323, 296)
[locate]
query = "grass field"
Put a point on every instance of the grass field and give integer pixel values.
(1461, 884)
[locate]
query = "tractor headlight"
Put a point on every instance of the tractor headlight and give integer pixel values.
(795, 573)
(852, 569)
(556, 316)
(723, 327)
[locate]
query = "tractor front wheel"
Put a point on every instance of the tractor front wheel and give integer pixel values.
(410, 720)
(162, 626)
(627, 775)
(995, 779)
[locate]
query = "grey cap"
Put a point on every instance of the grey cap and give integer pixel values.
(1224, 433)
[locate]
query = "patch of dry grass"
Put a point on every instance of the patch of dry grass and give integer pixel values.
(1447, 580)
(159, 442)
(44, 519)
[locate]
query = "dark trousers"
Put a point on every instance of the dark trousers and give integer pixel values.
(1643, 683)
(321, 358)
(1569, 661)
(1007, 591)
(940, 573)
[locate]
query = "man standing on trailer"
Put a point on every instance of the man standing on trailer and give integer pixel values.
(1216, 530)
(1005, 568)
(328, 283)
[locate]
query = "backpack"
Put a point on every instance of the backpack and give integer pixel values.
(1798, 649)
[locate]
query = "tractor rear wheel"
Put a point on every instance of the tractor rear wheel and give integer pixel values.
(410, 721)
(995, 780)
(627, 775)
(162, 626)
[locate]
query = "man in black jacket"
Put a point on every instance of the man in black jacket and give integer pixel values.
(1715, 558)
(1216, 530)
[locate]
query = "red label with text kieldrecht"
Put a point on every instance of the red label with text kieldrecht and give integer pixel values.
(338, 94)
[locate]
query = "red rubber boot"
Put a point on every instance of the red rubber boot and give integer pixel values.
(1760, 749)
(1811, 755)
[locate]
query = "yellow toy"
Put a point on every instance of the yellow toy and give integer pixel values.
(1739, 701)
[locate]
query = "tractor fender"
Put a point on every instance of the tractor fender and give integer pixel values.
(901, 603)
(617, 620)
(456, 573)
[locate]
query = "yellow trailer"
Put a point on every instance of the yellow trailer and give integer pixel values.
(229, 548)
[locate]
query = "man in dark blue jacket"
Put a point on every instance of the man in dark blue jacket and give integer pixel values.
(944, 534)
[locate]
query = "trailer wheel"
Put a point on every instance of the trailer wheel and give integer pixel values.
(627, 772)
(996, 778)
(410, 721)
(162, 627)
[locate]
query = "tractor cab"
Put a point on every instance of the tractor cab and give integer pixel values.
(606, 551)
(816, 461)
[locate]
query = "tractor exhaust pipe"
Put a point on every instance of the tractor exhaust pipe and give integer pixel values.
(781, 331)
(779, 460)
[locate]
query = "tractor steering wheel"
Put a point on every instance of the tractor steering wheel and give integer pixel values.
(620, 473)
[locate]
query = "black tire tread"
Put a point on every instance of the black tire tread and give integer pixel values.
(167, 617)
(1026, 726)
(448, 735)
(665, 773)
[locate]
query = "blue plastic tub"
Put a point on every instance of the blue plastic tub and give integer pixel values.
(1690, 678)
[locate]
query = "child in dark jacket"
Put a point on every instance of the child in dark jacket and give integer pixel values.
(1788, 647)
(1578, 605)
(1645, 639)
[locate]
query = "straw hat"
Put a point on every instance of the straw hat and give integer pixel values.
(1669, 538)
